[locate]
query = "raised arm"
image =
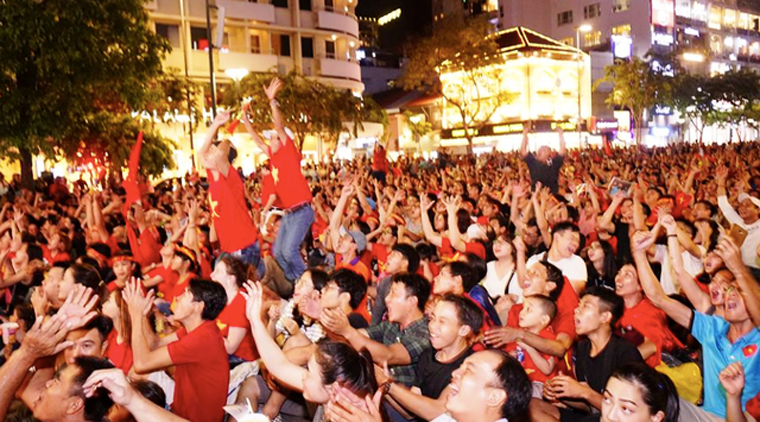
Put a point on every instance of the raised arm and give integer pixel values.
(452, 207)
(255, 135)
(282, 137)
(696, 296)
(524, 145)
(276, 361)
(748, 286)
(145, 359)
(427, 228)
(562, 146)
(679, 312)
(605, 221)
(220, 119)
(337, 215)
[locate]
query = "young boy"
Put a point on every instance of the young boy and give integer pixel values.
(535, 317)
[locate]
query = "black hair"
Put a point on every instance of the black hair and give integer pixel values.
(468, 312)
(342, 363)
(90, 261)
(96, 407)
(348, 281)
(102, 323)
(463, 220)
(692, 228)
(232, 155)
(425, 251)
(657, 390)
(416, 286)
(212, 295)
(464, 271)
(608, 302)
(410, 254)
(235, 268)
(86, 275)
(554, 275)
(708, 205)
(510, 376)
(33, 251)
(478, 265)
(151, 391)
(610, 261)
(101, 248)
(319, 278)
(548, 306)
(565, 226)
(25, 313)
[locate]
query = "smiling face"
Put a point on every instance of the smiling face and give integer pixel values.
(472, 385)
(627, 281)
(86, 343)
(444, 325)
(567, 242)
(623, 402)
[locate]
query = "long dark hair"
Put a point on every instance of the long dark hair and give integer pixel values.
(657, 389)
(342, 363)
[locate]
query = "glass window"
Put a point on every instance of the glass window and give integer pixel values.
(330, 49)
(307, 47)
(281, 45)
(198, 40)
(170, 32)
(592, 38)
(255, 44)
(565, 18)
(621, 30)
(280, 3)
(304, 4)
(620, 5)
(592, 11)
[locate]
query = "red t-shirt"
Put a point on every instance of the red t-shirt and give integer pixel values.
(267, 189)
(290, 185)
(448, 253)
(358, 267)
(563, 322)
(113, 243)
(149, 247)
(59, 257)
(379, 160)
(169, 277)
(180, 287)
(233, 315)
(535, 374)
(645, 320)
(202, 373)
(120, 354)
(380, 252)
(232, 221)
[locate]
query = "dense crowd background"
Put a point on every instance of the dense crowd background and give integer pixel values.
(619, 285)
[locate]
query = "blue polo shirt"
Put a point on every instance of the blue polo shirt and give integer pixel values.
(718, 352)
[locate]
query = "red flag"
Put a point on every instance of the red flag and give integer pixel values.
(130, 183)
(607, 149)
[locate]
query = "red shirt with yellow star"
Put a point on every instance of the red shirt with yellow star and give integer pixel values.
(290, 185)
(233, 315)
(232, 221)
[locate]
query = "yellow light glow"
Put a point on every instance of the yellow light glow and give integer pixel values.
(694, 57)
(459, 133)
(585, 28)
(512, 128)
(389, 17)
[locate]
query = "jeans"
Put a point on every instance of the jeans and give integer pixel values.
(287, 247)
(250, 255)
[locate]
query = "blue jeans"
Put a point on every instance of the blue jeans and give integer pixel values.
(250, 255)
(287, 247)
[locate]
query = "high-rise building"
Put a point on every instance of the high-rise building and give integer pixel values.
(464, 8)
(318, 37)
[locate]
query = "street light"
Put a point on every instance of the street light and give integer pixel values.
(237, 75)
(694, 57)
(583, 28)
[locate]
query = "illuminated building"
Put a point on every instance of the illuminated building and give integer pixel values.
(547, 81)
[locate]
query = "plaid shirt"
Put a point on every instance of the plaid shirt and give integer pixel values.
(415, 338)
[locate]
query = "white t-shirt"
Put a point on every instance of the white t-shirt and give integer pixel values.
(574, 268)
(496, 286)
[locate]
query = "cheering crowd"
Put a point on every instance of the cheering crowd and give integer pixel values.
(613, 285)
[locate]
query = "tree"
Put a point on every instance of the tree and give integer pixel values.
(637, 87)
(418, 126)
(464, 48)
(691, 98)
(64, 62)
(309, 107)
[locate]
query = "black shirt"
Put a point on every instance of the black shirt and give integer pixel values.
(547, 174)
(357, 321)
(596, 370)
(435, 376)
(623, 241)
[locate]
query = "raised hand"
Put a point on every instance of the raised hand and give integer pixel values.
(732, 379)
(452, 203)
(641, 241)
(426, 203)
(253, 299)
(77, 309)
(137, 302)
(45, 338)
(274, 87)
(348, 190)
(113, 380)
(730, 254)
(221, 118)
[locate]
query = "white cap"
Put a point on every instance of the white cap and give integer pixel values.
(743, 196)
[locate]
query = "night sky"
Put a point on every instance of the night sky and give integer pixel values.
(415, 20)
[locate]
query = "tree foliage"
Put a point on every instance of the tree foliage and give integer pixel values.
(637, 87)
(461, 46)
(63, 63)
(309, 107)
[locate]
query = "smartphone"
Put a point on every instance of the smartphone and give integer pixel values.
(617, 185)
(738, 234)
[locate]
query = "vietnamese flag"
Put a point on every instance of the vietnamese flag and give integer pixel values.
(607, 149)
(749, 350)
(130, 183)
(232, 126)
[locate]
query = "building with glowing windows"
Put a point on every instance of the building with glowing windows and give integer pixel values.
(548, 82)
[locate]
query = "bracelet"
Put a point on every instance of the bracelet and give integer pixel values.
(386, 386)
(273, 102)
(672, 235)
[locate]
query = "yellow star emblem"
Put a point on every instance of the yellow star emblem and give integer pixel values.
(213, 205)
(275, 175)
(221, 325)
